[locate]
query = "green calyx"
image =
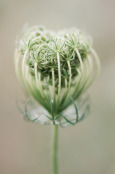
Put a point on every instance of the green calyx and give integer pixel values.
(56, 67)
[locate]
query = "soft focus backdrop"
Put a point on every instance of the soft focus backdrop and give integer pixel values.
(87, 148)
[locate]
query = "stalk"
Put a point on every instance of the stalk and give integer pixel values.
(55, 150)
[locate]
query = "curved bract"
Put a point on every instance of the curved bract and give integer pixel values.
(56, 68)
(73, 114)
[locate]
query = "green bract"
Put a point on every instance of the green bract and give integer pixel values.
(56, 68)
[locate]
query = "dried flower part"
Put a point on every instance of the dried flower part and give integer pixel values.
(56, 68)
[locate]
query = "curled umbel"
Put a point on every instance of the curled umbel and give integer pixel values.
(56, 69)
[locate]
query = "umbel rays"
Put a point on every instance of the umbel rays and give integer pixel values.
(56, 69)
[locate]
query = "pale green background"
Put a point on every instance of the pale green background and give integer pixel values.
(87, 148)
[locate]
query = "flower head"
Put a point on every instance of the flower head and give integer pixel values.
(56, 68)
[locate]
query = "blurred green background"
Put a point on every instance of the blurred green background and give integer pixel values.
(88, 147)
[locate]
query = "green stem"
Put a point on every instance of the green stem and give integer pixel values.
(55, 149)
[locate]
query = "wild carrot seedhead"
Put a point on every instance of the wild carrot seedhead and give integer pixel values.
(56, 68)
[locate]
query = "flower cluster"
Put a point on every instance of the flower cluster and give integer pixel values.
(56, 68)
